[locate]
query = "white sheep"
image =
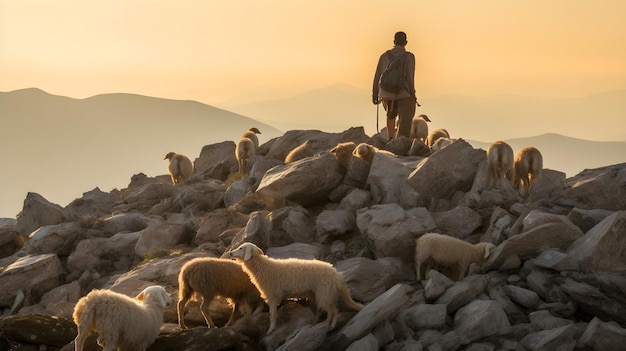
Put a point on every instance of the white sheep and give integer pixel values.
(436, 135)
(120, 321)
(205, 278)
(180, 167)
(343, 153)
(244, 151)
(278, 279)
(448, 251)
(251, 134)
(528, 164)
(500, 163)
(419, 128)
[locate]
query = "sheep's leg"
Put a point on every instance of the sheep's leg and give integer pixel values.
(181, 313)
(232, 314)
(204, 308)
(79, 342)
(273, 305)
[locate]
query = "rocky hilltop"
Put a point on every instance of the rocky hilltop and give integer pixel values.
(555, 281)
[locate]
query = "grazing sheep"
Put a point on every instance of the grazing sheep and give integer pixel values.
(528, 164)
(207, 277)
(343, 153)
(435, 135)
(419, 128)
(120, 321)
(278, 279)
(244, 151)
(500, 162)
(450, 252)
(180, 167)
(251, 134)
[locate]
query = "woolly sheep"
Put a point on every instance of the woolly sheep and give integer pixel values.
(307, 149)
(500, 162)
(419, 128)
(205, 278)
(436, 135)
(528, 164)
(277, 279)
(180, 167)
(251, 134)
(448, 251)
(244, 151)
(120, 321)
(366, 152)
(343, 153)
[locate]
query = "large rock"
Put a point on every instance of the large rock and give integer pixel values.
(38, 212)
(33, 274)
(94, 203)
(369, 279)
(480, 319)
(447, 171)
(306, 182)
(59, 239)
(603, 248)
(601, 188)
(387, 180)
(216, 160)
(104, 254)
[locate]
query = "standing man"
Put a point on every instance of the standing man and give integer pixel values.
(400, 103)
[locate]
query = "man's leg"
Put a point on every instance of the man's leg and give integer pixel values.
(406, 111)
(391, 106)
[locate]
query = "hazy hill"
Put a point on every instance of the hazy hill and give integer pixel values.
(338, 107)
(61, 147)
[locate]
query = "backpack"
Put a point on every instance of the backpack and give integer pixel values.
(392, 79)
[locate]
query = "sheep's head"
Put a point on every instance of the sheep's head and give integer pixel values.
(169, 156)
(245, 251)
(255, 130)
(487, 248)
(156, 293)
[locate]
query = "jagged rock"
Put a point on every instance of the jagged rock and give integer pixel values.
(587, 219)
(38, 212)
(387, 180)
(94, 203)
(104, 254)
(558, 339)
(31, 274)
(524, 297)
(449, 170)
(307, 338)
(601, 188)
(543, 320)
(164, 236)
(59, 239)
(603, 336)
(214, 223)
(334, 223)
(10, 239)
(377, 311)
(306, 182)
(500, 223)
(548, 185)
(126, 222)
(603, 248)
(556, 260)
(202, 197)
(144, 197)
(594, 302)
(38, 329)
(216, 160)
(459, 222)
(393, 231)
(369, 279)
(427, 316)
(480, 319)
(461, 293)
(436, 285)
(202, 339)
(399, 145)
(58, 302)
(297, 250)
(298, 224)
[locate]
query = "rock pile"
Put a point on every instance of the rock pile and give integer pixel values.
(555, 281)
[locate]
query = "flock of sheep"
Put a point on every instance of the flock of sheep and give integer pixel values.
(250, 278)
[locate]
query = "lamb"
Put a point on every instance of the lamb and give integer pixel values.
(449, 252)
(251, 134)
(207, 277)
(244, 151)
(436, 135)
(528, 164)
(419, 128)
(500, 162)
(366, 152)
(180, 167)
(277, 279)
(120, 321)
(343, 153)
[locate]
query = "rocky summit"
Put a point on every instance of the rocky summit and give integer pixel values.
(555, 281)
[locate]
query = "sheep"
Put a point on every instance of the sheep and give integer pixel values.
(528, 164)
(450, 252)
(307, 149)
(343, 153)
(120, 321)
(277, 279)
(436, 135)
(500, 162)
(251, 134)
(366, 152)
(180, 167)
(207, 277)
(419, 128)
(244, 151)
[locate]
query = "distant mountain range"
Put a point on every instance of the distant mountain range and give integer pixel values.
(61, 147)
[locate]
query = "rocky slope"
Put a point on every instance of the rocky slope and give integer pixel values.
(555, 281)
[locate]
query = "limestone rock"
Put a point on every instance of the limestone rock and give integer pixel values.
(38, 212)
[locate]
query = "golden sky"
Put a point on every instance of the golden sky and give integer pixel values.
(213, 51)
